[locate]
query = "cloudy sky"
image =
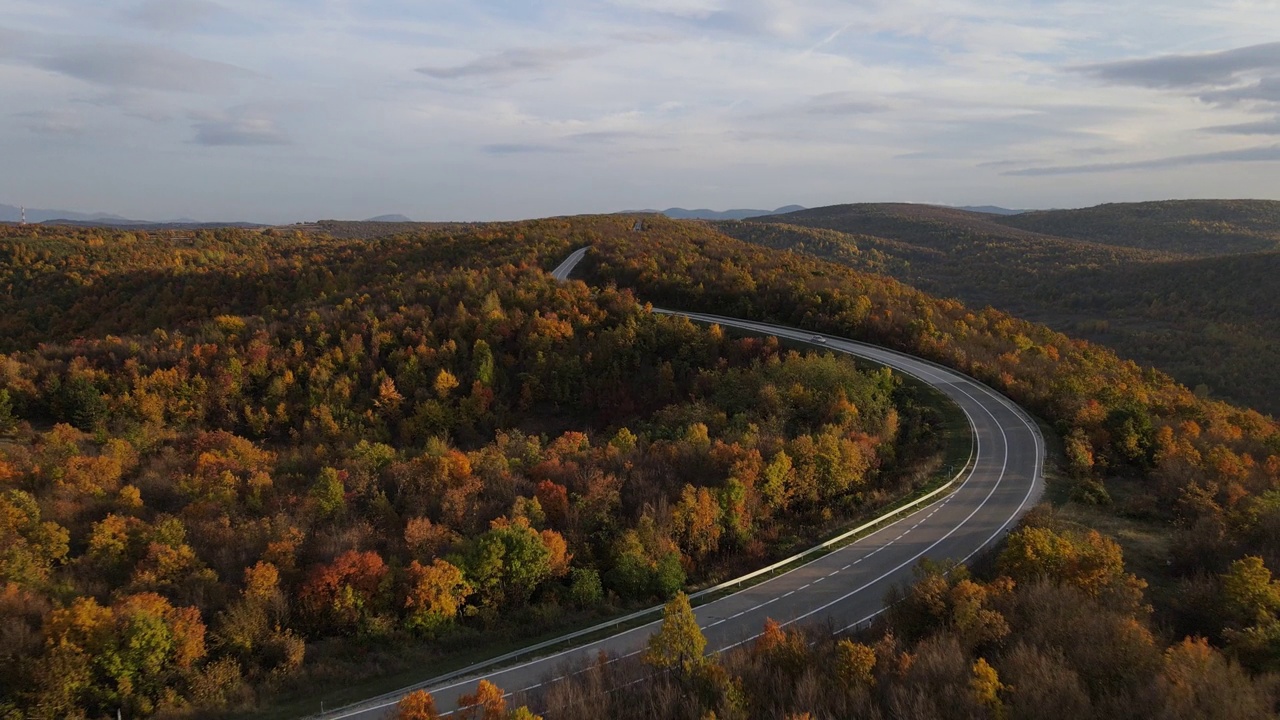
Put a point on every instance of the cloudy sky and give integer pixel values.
(283, 110)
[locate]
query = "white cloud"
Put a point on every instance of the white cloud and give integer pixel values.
(488, 108)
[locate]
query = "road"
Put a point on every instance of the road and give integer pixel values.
(564, 269)
(847, 586)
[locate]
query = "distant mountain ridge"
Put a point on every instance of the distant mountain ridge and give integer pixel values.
(991, 209)
(676, 213)
(146, 225)
(13, 213)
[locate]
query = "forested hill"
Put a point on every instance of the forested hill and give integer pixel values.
(936, 227)
(1204, 319)
(241, 465)
(1057, 621)
(268, 462)
(1192, 227)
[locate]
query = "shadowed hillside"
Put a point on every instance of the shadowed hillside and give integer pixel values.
(1211, 321)
(960, 231)
(1193, 227)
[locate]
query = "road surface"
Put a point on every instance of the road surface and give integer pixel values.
(847, 586)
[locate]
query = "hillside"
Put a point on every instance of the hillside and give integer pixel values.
(963, 232)
(1060, 617)
(280, 464)
(369, 229)
(990, 209)
(1210, 321)
(290, 451)
(1192, 227)
(929, 223)
(1214, 323)
(679, 213)
(13, 213)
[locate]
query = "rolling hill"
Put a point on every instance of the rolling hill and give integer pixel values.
(678, 213)
(1193, 227)
(1185, 286)
(349, 461)
(13, 213)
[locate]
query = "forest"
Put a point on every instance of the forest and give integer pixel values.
(442, 446)
(1191, 227)
(1184, 286)
(1136, 447)
(238, 464)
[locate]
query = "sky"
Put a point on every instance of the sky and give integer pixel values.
(287, 110)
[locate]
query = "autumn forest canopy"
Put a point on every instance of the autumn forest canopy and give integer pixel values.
(238, 465)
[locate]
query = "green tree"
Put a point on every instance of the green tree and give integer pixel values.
(482, 362)
(1251, 600)
(1132, 434)
(668, 575)
(7, 419)
(776, 485)
(328, 493)
(507, 563)
(1250, 594)
(584, 587)
(679, 642)
(29, 548)
(128, 655)
(77, 401)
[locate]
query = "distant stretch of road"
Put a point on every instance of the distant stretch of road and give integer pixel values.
(564, 269)
(847, 586)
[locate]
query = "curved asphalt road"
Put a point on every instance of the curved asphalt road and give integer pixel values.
(847, 586)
